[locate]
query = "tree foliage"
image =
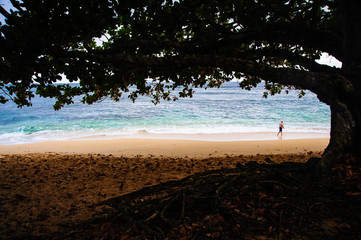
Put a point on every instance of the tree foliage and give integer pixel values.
(166, 48)
(109, 46)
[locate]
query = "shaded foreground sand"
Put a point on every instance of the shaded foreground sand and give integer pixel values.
(52, 187)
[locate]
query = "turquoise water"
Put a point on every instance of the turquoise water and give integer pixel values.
(211, 111)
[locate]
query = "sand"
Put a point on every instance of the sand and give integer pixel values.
(169, 147)
(45, 186)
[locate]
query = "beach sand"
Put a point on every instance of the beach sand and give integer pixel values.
(45, 186)
(169, 147)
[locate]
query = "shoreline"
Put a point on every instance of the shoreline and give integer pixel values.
(143, 134)
(136, 147)
(213, 137)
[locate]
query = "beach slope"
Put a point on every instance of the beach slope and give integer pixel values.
(169, 147)
(46, 186)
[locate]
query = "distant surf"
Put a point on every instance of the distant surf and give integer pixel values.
(227, 113)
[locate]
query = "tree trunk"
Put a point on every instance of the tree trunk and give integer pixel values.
(345, 139)
(344, 95)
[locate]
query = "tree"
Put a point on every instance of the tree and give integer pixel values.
(187, 43)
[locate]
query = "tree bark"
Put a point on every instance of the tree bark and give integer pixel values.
(345, 101)
(345, 138)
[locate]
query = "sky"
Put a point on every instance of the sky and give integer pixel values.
(329, 60)
(5, 4)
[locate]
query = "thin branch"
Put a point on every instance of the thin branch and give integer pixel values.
(7, 94)
(8, 16)
(16, 5)
(4, 12)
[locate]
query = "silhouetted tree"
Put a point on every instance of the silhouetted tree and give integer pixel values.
(110, 45)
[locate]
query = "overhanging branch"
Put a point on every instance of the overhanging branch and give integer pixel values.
(287, 76)
(292, 34)
(319, 82)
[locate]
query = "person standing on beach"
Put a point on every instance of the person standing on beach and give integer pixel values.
(280, 128)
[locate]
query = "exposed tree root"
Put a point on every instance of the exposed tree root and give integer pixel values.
(253, 201)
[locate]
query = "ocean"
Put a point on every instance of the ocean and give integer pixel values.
(225, 114)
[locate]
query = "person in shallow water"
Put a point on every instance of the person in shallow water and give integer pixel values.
(281, 127)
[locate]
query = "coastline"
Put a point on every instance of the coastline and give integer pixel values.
(135, 147)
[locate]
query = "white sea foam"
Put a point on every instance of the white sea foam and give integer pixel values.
(194, 133)
(228, 113)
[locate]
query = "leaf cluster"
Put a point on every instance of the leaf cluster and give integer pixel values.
(159, 46)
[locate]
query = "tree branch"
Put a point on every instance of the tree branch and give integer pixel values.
(290, 34)
(7, 94)
(8, 16)
(224, 63)
(324, 84)
(4, 12)
(295, 59)
(16, 5)
(159, 45)
(287, 76)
